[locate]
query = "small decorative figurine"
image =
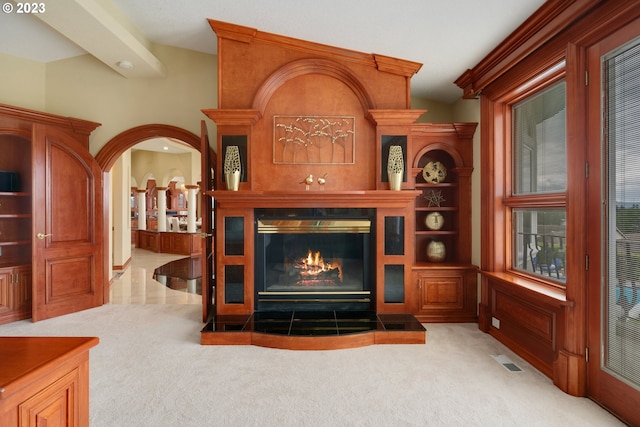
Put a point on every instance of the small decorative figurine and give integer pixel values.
(434, 221)
(322, 180)
(434, 198)
(307, 182)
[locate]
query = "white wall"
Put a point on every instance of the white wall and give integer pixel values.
(22, 82)
(437, 112)
(120, 210)
(85, 88)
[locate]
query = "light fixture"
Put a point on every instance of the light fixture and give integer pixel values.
(165, 148)
(125, 65)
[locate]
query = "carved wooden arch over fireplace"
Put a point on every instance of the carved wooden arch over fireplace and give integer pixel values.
(311, 66)
(318, 99)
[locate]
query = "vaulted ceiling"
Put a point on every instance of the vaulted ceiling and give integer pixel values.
(447, 37)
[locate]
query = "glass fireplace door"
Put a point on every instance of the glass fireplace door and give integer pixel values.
(313, 264)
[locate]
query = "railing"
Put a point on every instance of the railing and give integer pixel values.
(627, 271)
(544, 254)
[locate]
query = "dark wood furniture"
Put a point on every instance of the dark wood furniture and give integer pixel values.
(51, 248)
(45, 381)
(169, 242)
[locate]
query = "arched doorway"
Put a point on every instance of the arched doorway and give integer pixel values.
(120, 143)
(117, 146)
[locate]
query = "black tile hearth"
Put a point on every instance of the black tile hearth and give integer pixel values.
(311, 323)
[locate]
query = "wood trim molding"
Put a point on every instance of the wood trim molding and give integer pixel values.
(113, 149)
(233, 32)
(79, 126)
(311, 66)
(312, 343)
(570, 373)
(123, 266)
(312, 199)
(553, 17)
(233, 117)
(21, 133)
(455, 155)
(395, 117)
(529, 289)
(249, 35)
(396, 66)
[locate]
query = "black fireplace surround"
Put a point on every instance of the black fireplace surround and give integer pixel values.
(314, 259)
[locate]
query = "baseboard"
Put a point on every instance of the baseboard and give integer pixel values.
(122, 267)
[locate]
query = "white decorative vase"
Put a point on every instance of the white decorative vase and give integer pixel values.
(232, 167)
(436, 251)
(395, 167)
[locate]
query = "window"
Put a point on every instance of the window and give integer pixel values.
(621, 293)
(536, 200)
(539, 142)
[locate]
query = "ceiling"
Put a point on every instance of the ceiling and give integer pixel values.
(446, 36)
(164, 145)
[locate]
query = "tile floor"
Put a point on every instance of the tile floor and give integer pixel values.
(135, 284)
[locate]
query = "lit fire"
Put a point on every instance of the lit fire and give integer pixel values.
(314, 265)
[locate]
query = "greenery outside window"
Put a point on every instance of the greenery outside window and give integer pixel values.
(536, 202)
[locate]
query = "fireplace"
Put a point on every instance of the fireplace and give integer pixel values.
(314, 259)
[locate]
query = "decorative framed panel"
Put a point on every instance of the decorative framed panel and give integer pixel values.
(314, 139)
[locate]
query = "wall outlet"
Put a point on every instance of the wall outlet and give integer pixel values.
(495, 322)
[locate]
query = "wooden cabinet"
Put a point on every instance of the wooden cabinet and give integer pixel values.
(51, 225)
(149, 240)
(45, 381)
(169, 242)
(15, 230)
(15, 293)
(446, 293)
(446, 281)
(15, 226)
(180, 243)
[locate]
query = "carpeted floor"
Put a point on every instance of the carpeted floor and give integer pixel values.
(150, 370)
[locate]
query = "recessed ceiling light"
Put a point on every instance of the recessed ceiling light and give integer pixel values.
(125, 65)
(165, 148)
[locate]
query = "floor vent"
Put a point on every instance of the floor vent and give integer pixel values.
(507, 363)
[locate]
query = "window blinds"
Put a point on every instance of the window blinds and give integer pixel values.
(621, 296)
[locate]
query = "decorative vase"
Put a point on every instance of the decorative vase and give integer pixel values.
(395, 167)
(232, 167)
(436, 251)
(233, 180)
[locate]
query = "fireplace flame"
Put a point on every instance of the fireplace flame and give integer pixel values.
(314, 265)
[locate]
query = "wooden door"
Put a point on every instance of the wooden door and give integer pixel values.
(207, 164)
(614, 244)
(67, 225)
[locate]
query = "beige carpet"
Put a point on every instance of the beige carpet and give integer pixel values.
(150, 370)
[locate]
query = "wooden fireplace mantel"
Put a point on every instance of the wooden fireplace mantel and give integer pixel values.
(314, 199)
